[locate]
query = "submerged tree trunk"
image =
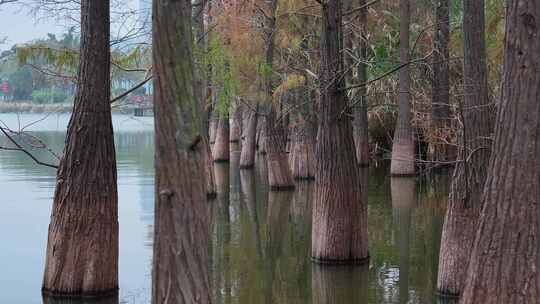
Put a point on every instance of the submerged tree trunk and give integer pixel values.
(249, 143)
(339, 231)
(440, 100)
(221, 149)
(360, 122)
(181, 233)
(474, 151)
(506, 256)
(82, 247)
(403, 154)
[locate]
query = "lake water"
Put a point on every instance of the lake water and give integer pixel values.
(260, 239)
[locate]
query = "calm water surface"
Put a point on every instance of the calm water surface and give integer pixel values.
(260, 239)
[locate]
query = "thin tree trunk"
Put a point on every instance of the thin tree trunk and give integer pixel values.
(464, 202)
(247, 157)
(181, 233)
(506, 254)
(212, 129)
(201, 90)
(403, 154)
(236, 123)
(360, 122)
(279, 172)
(302, 154)
(339, 231)
(82, 246)
(440, 102)
(221, 149)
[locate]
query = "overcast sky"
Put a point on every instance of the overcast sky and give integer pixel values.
(19, 25)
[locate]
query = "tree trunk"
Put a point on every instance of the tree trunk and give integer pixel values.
(403, 154)
(212, 129)
(505, 260)
(201, 90)
(221, 149)
(470, 174)
(210, 179)
(440, 102)
(236, 123)
(302, 156)
(360, 122)
(279, 172)
(339, 231)
(261, 135)
(181, 233)
(82, 247)
(247, 157)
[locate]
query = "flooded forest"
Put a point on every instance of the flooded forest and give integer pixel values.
(269, 151)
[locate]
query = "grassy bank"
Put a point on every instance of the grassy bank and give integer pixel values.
(29, 107)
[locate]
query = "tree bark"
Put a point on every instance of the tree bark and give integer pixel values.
(506, 256)
(181, 233)
(464, 203)
(279, 172)
(302, 156)
(236, 123)
(249, 143)
(403, 150)
(82, 247)
(360, 122)
(440, 99)
(221, 149)
(339, 231)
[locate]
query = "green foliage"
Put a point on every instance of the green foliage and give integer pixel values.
(21, 83)
(218, 66)
(48, 96)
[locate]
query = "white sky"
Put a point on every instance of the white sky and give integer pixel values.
(19, 25)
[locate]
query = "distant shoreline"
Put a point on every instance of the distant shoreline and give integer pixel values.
(60, 108)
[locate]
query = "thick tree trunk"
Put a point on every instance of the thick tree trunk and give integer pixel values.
(403, 152)
(181, 233)
(440, 99)
(339, 231)
(360, 122)
(221, 149)
(506, 256)
(249, 143)
(470, 174)
(82, 247)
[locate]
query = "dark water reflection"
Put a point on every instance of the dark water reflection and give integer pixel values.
(260, 242)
